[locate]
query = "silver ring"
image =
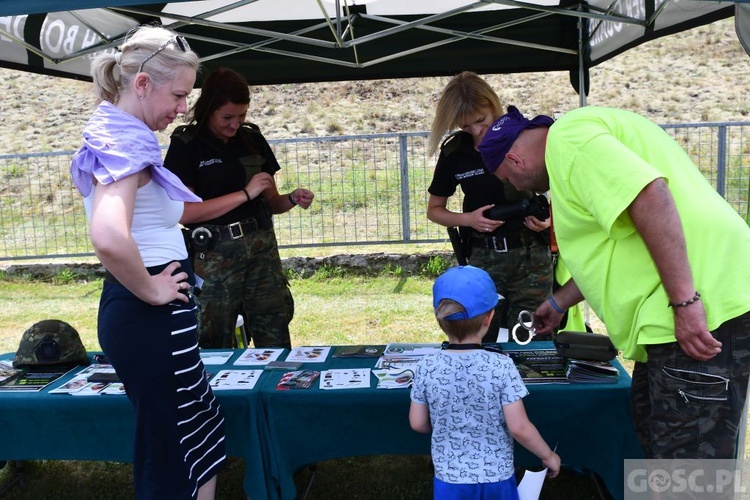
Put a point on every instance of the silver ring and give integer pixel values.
(182, 287)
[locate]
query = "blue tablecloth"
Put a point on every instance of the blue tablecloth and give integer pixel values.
(278, 432)
(39, 425)
(590, 423)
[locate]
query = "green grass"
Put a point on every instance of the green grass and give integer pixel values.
(396, 477)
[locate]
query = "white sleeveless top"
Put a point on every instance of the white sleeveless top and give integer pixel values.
(155, 224)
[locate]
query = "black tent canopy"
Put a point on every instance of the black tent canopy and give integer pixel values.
(291, 41)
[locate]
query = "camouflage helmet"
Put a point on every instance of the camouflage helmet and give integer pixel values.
(50, 342)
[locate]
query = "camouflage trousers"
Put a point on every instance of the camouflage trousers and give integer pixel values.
(684, 408)
(523, 276)
(244, 276)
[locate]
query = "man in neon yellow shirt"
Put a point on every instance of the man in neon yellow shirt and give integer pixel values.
(641, 229)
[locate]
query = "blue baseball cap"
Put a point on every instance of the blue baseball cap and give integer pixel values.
(503, 133)
(469, 286)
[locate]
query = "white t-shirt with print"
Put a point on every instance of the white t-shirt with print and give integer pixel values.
(466, 392)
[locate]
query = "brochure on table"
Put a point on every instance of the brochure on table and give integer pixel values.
(309, 354)
(397, 363)
(396, 367)
(406, 349)
(358, 351)
(80, 385)
(539, 366)
(35, 378)
(345, 378)
(228, 380)
(7, 372)
(591, 372)
(547, 366)
(298, 379)
(394, 379)
(215, 357)
(258, 356)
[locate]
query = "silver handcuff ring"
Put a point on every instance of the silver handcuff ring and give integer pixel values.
(525, 321)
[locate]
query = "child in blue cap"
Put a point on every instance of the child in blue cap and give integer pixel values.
(470, 399)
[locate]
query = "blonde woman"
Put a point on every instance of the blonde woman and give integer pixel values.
(516, 251)
(147, 317)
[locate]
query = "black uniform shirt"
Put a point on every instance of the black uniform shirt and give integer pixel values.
(460, 164)
(212, 168)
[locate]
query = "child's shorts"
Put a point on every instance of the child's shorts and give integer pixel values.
(505, 490)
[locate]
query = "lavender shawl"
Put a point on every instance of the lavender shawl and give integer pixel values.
(116, 144)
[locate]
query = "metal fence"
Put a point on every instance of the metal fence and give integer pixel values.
(369, 189)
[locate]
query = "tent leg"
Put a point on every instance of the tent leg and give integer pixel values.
(313, 468)
(582, 90)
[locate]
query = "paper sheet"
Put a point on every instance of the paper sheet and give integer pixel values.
(258, 356)
(235, 380)
(215, 358)
(531, 485)
(309, 354)
(502, 335)
(345, 378)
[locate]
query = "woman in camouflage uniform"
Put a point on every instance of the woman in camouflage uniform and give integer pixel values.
(515, 252)
(228, 163)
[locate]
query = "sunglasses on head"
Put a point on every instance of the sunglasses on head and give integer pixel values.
(178, 40)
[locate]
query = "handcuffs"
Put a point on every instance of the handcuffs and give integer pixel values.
(527, 325)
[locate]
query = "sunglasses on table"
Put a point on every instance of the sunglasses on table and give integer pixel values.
(178, 40)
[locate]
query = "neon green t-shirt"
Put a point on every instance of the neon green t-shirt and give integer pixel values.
(598, 161)
(576, 321)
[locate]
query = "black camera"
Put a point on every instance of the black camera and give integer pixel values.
(538, 206)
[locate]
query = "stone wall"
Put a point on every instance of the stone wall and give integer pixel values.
(303, 266)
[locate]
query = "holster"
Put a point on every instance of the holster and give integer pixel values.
(465, 236)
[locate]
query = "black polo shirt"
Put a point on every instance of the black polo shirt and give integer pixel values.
(212, 169)
(460, 164)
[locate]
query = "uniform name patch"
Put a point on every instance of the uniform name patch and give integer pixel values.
(207, 163)
(470, 173)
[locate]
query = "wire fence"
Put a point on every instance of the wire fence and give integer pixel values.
(369, 190)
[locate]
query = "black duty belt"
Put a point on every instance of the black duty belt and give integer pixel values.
(500, 244)
(235, 230)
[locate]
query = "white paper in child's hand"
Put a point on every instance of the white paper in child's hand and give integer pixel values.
(502, 335)
(531, 485)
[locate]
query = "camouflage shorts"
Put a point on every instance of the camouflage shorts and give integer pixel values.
(684, 408)
(523, 276)
(244, 276)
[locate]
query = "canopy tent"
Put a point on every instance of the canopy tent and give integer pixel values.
(290, 41)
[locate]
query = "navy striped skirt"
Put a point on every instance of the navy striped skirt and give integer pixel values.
(179, 431)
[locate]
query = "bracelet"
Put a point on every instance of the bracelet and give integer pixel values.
(291, 200)
(246, 194)
(555, 306)
(695, 298)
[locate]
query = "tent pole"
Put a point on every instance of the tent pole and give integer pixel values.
(582, 90)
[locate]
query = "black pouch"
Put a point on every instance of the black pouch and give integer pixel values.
(466, 245)
(584, 345)
(201, 240)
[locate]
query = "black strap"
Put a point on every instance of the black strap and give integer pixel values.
(460, 347)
